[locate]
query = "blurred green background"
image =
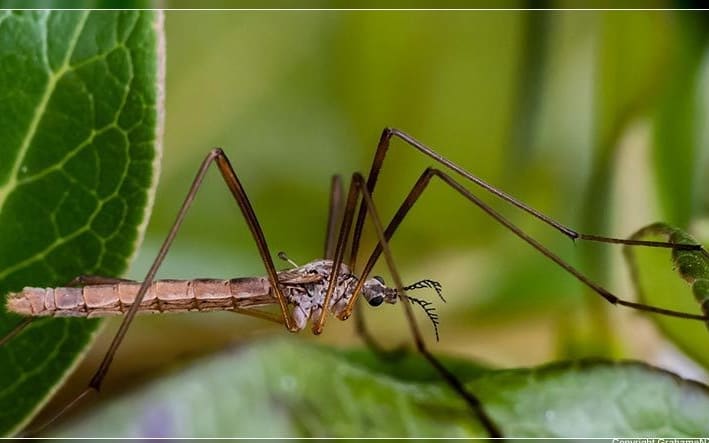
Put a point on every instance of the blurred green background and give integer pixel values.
(597, 119)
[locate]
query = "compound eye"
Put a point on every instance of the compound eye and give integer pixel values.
(376, 301)
(379, 279)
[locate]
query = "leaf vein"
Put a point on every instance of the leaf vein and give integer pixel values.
(6, 189)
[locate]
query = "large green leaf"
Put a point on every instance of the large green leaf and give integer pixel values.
(289, 388)
(676, 280)
(79, 131)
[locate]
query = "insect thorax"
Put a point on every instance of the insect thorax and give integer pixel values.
(305, 288)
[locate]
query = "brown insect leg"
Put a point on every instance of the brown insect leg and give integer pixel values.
(378, 161)
(84, 280)
(449, 377)
(237, 190)
(263, 315)
(334, 216)
(334, 219)
(418, 189)
(16, 330)
(367, 337)
(337, 259)
(232, 181)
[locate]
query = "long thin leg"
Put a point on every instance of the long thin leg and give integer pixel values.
(334, 216)
(378, 160)
(345, 227)
(232, 181)
(237, 190)
(416, 192)
(84, 280)
(363, 333)
(358, 184)
(16, 330)
(263, 315)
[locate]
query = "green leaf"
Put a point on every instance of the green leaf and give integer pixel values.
(627, 71)
(655, 275)
(291, 388)
(677, 144)
(77, 4)
(80, 124)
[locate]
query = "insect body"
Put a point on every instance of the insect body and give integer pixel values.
(304, 288)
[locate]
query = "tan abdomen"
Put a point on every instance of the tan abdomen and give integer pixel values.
(161, 296)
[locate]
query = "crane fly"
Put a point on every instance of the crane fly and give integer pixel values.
(303, 286)
(307, 293)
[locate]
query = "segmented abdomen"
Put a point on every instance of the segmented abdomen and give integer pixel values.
(161, 296)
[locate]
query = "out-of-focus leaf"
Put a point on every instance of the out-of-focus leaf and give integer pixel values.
(533, 60)
(79, 133)
(661, 279)
(677, 147)
(287, 388)
(78, 4)
(628, 71)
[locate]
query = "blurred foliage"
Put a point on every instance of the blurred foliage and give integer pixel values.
(540, 104)
(361, 4)
(595, 118)
(683, 285)
(78, 4)
(283, 388)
